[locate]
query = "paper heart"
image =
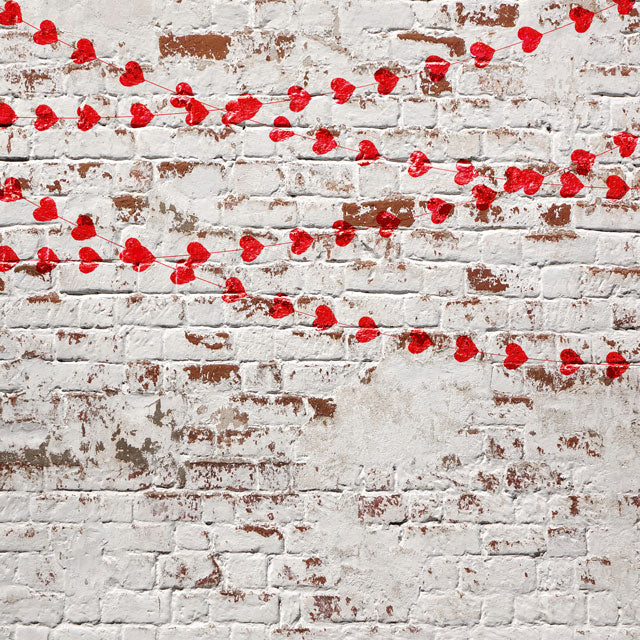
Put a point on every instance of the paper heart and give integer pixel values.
(466, 173)
(624, 6)
(388, 223)
(324, 143)
(582, 18)
(571, 362)
(484, 196)
(530, 39)
(137, 255)
(281, 307)
(46, 211)
(47, 260)
(88, 118)
(526, 179)
(418, 164)
(368, 330)
(132, 75)
(233, 290)
(618, 188)
(11, 14)
(46, 117)
(617, 364)
(196, 112)
(514, 180)
(440, 210)
(184, 94)
(90, 260)
(571, 185)
(280, 132)
(198, 254)
(301, 241)
(84, 51)
(583, 161)
(12, 191)
(244, 108)
(516, 357)
(298, 98)
(483, 54)
(141, 116)
(466, 349)
(182, 274)
(626, 142)
(420, 341)
(324, 318)
(345, 232)
(368, 153)
(342, 90)
(251, 248)
(7, 115)
(437, 68)
(47, 33)
(8, 258)
(84, 229)
(386, 79)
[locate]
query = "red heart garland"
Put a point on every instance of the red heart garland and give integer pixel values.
(368, 153)
(196, 112)
(624, 6)
(484, 196)
(528, 179)
(345, 232)
(418, 164)
(440, 210)
(46, 117)
(141, 116)
(583, 161)
(12, 191)
(47, 261)
(84, 229)
(281, 307)
(251, 248)
(298, 98)
(617, 364)
(132, 75)
(11, 14)
(233, 291)
(466, 173)
(324, 318)
(483, 54)
(244, 108)
(342, 90)
(420, 341)
(46, 211)
(88, 118)
(8, 258)
(530, 39)
(618, 188)
(626, 142)
(386, 79)
(388, 223)
(466, 349)
(84, 52)
(182, 274)
(280, 132)
(437, 68)
(7, 115)
(47, 33)
(198, 254)
(90, 260)
(516, 357)
(571, 362)
(301, 241)
(138, 255)
(184, 94)
(571, 185)
(368, 330)
(582, 18)
(324, 143)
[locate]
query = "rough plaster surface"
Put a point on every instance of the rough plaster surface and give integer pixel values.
(173, 467)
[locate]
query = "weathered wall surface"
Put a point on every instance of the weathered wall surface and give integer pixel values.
(172, 466)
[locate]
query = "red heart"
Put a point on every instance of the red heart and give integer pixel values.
(516, 357)
(88, 118)
(368, 153)
(324, 143)
(388, 223)
(132, 76)
(84, 229)
(483, 54)
(466, 172)
(7, 115)
(345, 232)
(514, 180)
(324, 318)
(626, 142)
(281, 307)
(184, 92)
(466, 349)
(182, 274)
(11, 14)
(48, 260)
(484, 196)
(342, 90)
(244, 108)
(624, 6)
(196, 112)
(279, 133)
(46, 211)
(301, 241)
(90, 259)
(139, 256)
(251, 248)
(583, 161)
(298, 98)
(84, 52)
(12, 191)
(532, 181)
(47, 33)
(437, 67)
(571, 362)
(198, 254)
(618, 188)
(233, 291)
(420, 341)
(418, 164)
(8, 258)
(571, 185)
(46, 117)
(618, 365)
(141, 115)
(386, 79)
(582, 17)
(530, 39)
(368, 330)
(440, 210)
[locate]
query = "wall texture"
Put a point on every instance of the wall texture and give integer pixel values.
(175, 467)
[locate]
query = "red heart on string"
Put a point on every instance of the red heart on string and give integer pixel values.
(47, 33)
(516, 357)
(132, 75)
(583, 161)
(342, 90)
(281, 307)
(8, 258)
(84, 52)
(466, 349)
(298, 98)
(7, 115)
(244, 108)
(368, 153)
(418, 164)
(420, 341)
(624, 6)
(182, 274)
(141, 116)
(532, 181)
(12, 191)
(466, 173)
(301, 241)
(251, 248)
(618, 188)
(88, 118)
(48, 260)
(324, 318)
(345, 232)
(626, 142)
(618, 365)
(280, 132)
(582, 18)
(184, 94)
(571, 362)
(11, 14)
(437, 67)
(483, 54)
(530, 39)
(368, 330)
(386, 79)
(514, 180)
(90, 260)
(233, 291)
(196, 112)
(571, 185)
(484, 196)
(46, 117)
(84, 230)
(324, 143)
(137, 255)
(440, 210)
(46, 211)
(388, 223)
(198, 254)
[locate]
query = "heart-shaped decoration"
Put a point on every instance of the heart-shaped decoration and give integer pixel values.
(624, 6)
(484, 196)
(7, 115)
(386, 79)
(301, 241)
(11, 14)
(132, 75)
(368, 153)
(8, 258)
(90, 260)
(324, 318)
(437, 68)
(618, 188)
(182, 274)
(12, 191)
(466, 349)
(251, 248)
(47, 33)
(440, 210)
(530, 39)
(281, 307)
(420, 341)
(342, 90)
(582, 18)
(583, 160)
(483, 54)
(84, 52)
(516, 357)
(532, 181)
(571, 362)
(418, 164)
(514, 180)
(46, 211)
(233, 290)
(196, 112)
(626, 143)
(46, 117)
(466, 173)
(198, 254)
(571, 185)
(47, 260)
(368, 330)
(388, 223)
(617, 364)
(244, 108)
(324, 143)
(298, 98)
(88, 118)
(84, 229)
(280, 132)
(184, 93)
(345, 232)
(137, 255)
(141, 116)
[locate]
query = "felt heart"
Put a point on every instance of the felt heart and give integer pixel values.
(196, 112)
(516, 357)
(418, 164)
(571, 362)
(88, 118)
(182, 274)
(386, 79)
(244, 108)
(571, 185)
(12, 191)
(141, 116)
(84, 229)
(280, 132)
(132, 75)
(251, 248)
(388, 223)
(440, 210)
(47, 260)
(530, 39)
(345, 232)
(466, 173)
(342, 90)
(46, 211)
(420, 341)
(184, 94)
(138, 255)
(298, 98)
(301, 241)
(437, 67)
(84, 52)
(514, 180)
(324, 318)
(324, 143)
(90, 259)
(368, 330)
(618, 188)
(47, 33)
(532, 181)
(8, 258)
(617, 364)
(582, 18)
(466, 349)
(198, 254)
(46, 117)
(626, 142)
(11, 14)
(484, 196)
(7, 115)
(624, 6)
(583, 161)
(281, 307)
(233, 290)
(368, 153)
(483, 54)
